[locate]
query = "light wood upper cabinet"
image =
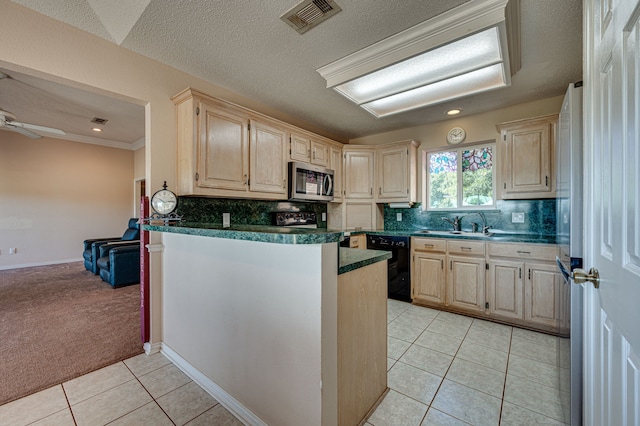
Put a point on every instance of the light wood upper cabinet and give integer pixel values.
(358, 173)
(396, 172)
(527, 155)
(335, 164)
(225, 150)
(319, 153)
(300, 149)
(268, 164)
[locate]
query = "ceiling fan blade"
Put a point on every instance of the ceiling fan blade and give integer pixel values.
(22, 131)
(36, 127)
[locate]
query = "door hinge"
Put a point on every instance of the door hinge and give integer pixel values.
(249, 126)
(197, 176)
(407, 191)
(407, 151)
(486, 266)
(519, 272)
(504, 138)
(505, 185)
(546, 181)
(486, 305)
(529, 273)
(197, 111)
(451, 265)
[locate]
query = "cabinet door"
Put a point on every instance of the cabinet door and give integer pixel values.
(429, 277)
(393, 179)
(336, 166)
(465, 283)
(268, 159)
(319, 153)
(300, 148)
(360, 215)
(542, 294)
(359, 168)
(505, 288)
(223, 150)
(528, 160)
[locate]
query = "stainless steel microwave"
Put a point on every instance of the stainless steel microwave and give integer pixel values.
(310, 183)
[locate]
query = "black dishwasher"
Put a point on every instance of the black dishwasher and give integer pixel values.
(399, 274)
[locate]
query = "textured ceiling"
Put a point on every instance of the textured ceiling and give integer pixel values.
(243, 45)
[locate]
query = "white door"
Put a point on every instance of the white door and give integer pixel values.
(612, 211)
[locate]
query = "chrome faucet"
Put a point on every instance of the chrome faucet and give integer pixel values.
(456, 222)
(485, 227)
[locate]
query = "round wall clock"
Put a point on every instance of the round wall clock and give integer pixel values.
(456, 135)
(164, 202)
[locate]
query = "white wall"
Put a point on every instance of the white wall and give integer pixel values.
(56, 193)
(249, 316)
(43, 47)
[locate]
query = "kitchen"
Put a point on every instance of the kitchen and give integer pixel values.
(158, 134)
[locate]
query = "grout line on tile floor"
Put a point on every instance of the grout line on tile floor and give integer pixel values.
(64, 391)
(506, 373)
(147, 391)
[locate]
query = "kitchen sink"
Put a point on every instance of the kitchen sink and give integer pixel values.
(460, 233)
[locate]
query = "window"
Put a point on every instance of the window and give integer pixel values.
(461, 178)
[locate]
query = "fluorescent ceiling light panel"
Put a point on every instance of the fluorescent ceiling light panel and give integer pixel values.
(458, 53)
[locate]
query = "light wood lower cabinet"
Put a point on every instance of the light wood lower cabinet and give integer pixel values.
(505, 290)
(429, 276)
(465, 283)
(542, 295)
(362, 341)
(508, 282)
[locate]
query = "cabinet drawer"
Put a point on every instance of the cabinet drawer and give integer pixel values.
(523, 251)
(429, 244)
(473, 248)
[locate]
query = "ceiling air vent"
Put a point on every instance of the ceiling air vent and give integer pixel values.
(98, 120)
(310, 13)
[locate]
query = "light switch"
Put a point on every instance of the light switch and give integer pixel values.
(399, 217)
(517, 217)
(324, 217)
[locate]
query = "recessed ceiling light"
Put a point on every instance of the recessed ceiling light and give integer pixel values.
(96, 129)
(454, 111)
(458, 53)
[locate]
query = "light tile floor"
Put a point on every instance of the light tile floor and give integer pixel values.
(448, 369)
(143, 390)
(444, 369)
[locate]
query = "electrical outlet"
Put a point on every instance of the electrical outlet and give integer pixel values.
(226, 220)
(13, 250)
(517, 217)
(324, 217)
(399, 217)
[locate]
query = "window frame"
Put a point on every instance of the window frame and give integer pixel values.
(458, 149)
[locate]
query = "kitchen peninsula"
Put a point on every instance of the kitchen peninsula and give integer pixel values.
(277, 324)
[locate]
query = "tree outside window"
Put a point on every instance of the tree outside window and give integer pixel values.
(461, 178)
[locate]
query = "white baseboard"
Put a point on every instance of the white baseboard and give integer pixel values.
(230, 403)
(150, 348)
(29, 265)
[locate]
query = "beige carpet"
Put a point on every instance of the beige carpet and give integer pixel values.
(59, 322)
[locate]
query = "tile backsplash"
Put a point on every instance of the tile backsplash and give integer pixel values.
(243, 212)
(539, 217)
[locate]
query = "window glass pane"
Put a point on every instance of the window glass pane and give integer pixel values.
(443, 180)
(477, 177)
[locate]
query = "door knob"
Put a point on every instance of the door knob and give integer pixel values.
(593, 276)
(579, 276)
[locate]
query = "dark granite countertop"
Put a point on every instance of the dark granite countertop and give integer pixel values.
(291, 235)
(268, 234)
(352, 259)
(493, 236)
